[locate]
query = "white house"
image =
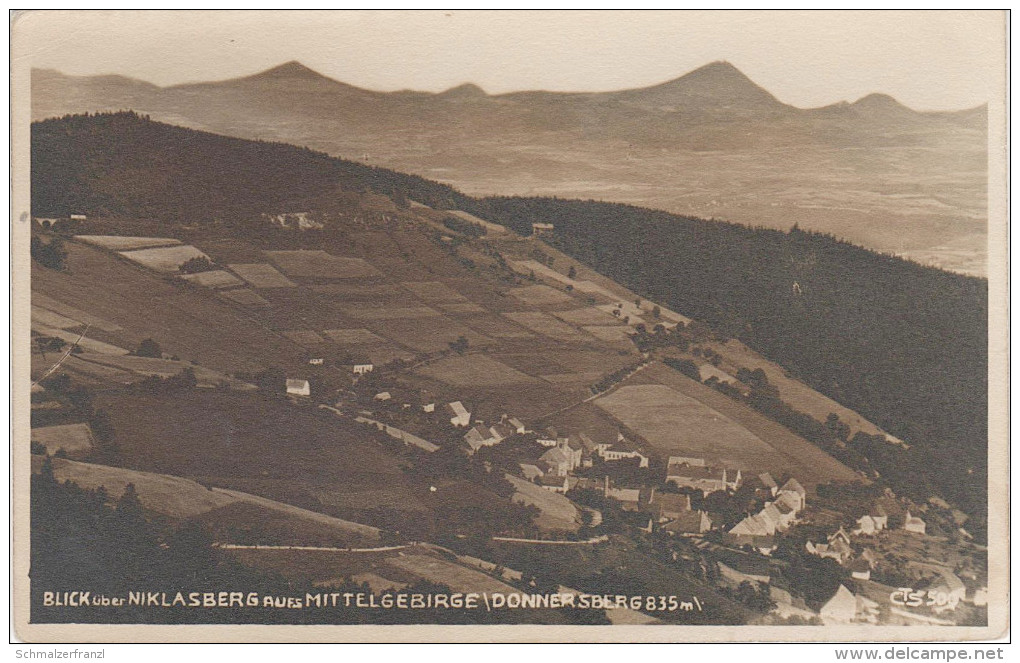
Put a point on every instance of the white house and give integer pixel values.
(706, 479)
(609, 454)
(78, 217)
(796, 492)
(461, 417)
(316, 361)
(298, 388)
(517, 425)
(914, 524)
(840, 609)
(869, 524)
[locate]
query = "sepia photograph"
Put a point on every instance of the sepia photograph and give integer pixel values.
(509, 326)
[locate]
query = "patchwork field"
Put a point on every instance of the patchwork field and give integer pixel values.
(434, 291)
(41, 316)
(547, 325)
(366, 312)
(462, 308)
(217, 278)
(168, 259)
(804, 460)
(540, 295)
(473, 370)
(86, 343)
(611, 333)
(321, 265)
(496, 327)
(249, 442)
(587, 316)
(352, 336)
(133, 304)
(261, 275)
(42, 300)
(429, 334)
(245, 297)
(120, 243)
(304, 337)
(373, 293)
(678, 425)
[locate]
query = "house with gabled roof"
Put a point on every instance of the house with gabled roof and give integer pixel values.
(296, 387)
(531, 471)
(840, 609)
(914, 524)
(668, 506)
(796, 492)
(689, 523)
(553, 483)
(706, 479)
(461, 417)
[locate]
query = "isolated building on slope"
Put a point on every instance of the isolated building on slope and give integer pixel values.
(461, 417)
(298, 388)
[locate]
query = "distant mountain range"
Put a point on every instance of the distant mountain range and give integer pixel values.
(716, 94)
(710, 143)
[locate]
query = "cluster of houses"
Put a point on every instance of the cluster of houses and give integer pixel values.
(837, 545)
(778, 514)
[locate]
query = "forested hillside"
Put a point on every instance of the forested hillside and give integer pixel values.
(905, 345)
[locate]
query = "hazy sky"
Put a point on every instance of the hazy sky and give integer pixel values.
(927, 60)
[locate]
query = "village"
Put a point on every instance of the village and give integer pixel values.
(750, 533)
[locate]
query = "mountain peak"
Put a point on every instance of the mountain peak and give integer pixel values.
(291, 69)
(714, 86)
(464, 91)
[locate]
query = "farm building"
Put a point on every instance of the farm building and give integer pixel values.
(298, 387)
(461, 417)
(860, 569)
(629, 498)
(686, 460)
(840, 609)
(739, 567)
(797, 496)
(609, 454)
(692, 522)
(768, 484)
(316, 361)
(836, 547)
(706, 479)
(539, 229)
(531, 472)
(669, 506)
(556, 484)
(78, 217)
(517, 425)
(871, 524)
(362, 367)
(914, 524)
(549, 438)
(428, 407)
